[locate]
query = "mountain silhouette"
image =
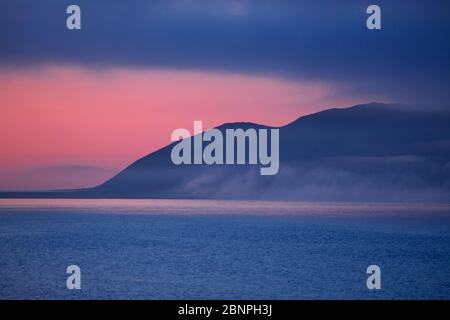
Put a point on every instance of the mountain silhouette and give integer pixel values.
(371, 152)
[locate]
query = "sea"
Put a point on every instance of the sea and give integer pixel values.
(220, 249)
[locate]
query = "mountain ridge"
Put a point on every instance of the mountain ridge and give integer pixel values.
(367, 152)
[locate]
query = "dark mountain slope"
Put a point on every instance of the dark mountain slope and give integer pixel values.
(372, 152)
(367, 152)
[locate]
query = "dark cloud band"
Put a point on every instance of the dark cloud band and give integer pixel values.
(313, 40)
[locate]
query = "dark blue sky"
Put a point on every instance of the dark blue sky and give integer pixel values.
(408, 60)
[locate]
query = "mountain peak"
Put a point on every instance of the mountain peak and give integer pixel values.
(335, 113)
(365, 153)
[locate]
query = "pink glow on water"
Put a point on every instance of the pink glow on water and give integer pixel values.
(228, 207)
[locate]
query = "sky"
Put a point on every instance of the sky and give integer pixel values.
(77, 106)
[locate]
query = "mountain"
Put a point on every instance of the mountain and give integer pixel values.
(371, 152)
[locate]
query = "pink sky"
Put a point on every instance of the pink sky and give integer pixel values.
(98, 121)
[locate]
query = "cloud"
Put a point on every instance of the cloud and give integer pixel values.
(318, 41)
(54, 177)
(403, 178)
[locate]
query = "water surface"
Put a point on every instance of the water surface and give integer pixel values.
(195, 249)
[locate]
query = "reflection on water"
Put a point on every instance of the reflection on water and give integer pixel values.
(161, 206)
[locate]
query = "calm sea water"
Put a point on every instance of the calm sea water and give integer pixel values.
(180, 249)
